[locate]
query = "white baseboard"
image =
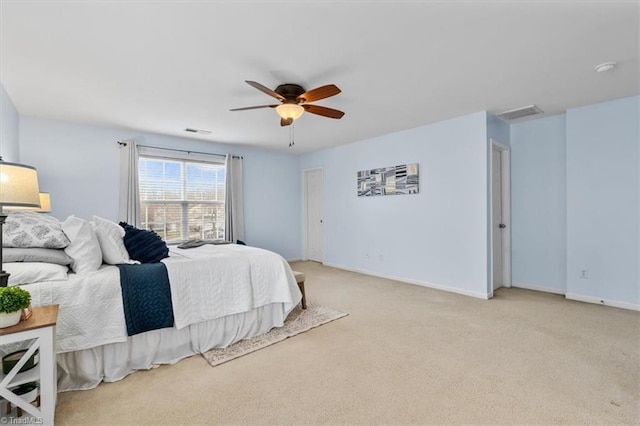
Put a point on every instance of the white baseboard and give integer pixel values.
(412, 281)
(295, 259)
(538, 288)
(604, 302)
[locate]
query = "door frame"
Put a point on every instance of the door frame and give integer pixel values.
(304, 212)
(505, 160)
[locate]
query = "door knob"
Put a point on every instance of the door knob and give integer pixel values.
(502, 226)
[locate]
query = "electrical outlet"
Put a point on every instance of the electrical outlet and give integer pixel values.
(381, 258)
(584, 273)
(366, 256)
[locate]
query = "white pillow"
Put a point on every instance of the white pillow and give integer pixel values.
(84, 248)
(110, 236)
(27, 273)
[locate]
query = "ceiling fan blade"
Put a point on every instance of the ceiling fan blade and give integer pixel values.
(253, 107)
(286, 121)
(265, 89)
(319, 93)
(323, 111)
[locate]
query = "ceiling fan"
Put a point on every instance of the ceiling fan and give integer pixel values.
(295, 101)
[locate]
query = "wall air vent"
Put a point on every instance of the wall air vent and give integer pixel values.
(201, 132)
(517, 113)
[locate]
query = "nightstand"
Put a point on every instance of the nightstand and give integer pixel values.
(41, 329)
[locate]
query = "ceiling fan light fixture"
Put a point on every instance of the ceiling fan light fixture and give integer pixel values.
(289, 111)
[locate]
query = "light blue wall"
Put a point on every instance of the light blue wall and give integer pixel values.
(438, 236)
(603, 211)
(498, 130)
(79, 165)
(575, 197)
(539, 204)
(9, 125)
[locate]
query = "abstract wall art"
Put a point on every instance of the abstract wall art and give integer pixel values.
(394, 180)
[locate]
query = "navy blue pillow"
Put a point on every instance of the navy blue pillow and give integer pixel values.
(144, 246)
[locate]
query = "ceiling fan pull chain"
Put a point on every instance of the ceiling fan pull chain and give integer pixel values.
(292, 141)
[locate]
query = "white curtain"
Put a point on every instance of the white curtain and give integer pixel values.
(233, 203)
(129, 209)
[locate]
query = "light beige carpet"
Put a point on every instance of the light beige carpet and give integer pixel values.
(298, 321)
(405, 355)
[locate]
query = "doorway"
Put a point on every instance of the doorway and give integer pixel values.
(314, 215)
(500, 216)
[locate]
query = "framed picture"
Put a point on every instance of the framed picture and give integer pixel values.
(393, 180)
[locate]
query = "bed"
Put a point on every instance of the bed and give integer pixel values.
(220, 293)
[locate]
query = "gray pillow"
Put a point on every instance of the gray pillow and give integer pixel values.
(57, 256)
(28, 229)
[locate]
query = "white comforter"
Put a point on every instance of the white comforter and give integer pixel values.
(91, 312)
(207, 282)
(214, 281)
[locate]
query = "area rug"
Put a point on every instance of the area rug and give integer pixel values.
(298, 321)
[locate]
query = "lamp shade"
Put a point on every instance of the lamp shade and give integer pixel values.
(45, 205)
(18, 185)
(292, 111)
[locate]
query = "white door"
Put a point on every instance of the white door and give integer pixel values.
(314, 208)
(497, 224)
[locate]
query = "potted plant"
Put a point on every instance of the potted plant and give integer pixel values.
(12, 301)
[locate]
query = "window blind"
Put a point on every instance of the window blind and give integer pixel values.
(182, 199)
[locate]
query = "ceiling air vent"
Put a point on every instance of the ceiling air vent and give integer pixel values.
(514, 114)
(201, 132)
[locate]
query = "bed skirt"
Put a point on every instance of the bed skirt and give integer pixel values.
(85, 369)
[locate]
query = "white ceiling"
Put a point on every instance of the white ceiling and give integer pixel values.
(164, 66)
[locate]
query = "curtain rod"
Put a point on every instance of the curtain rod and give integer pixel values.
(181, 150)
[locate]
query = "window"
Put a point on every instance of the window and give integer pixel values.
(182, 198)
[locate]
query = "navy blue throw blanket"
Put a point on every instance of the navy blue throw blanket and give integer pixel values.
(146, 297)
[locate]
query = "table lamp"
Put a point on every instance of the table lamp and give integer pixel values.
(18, 188)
